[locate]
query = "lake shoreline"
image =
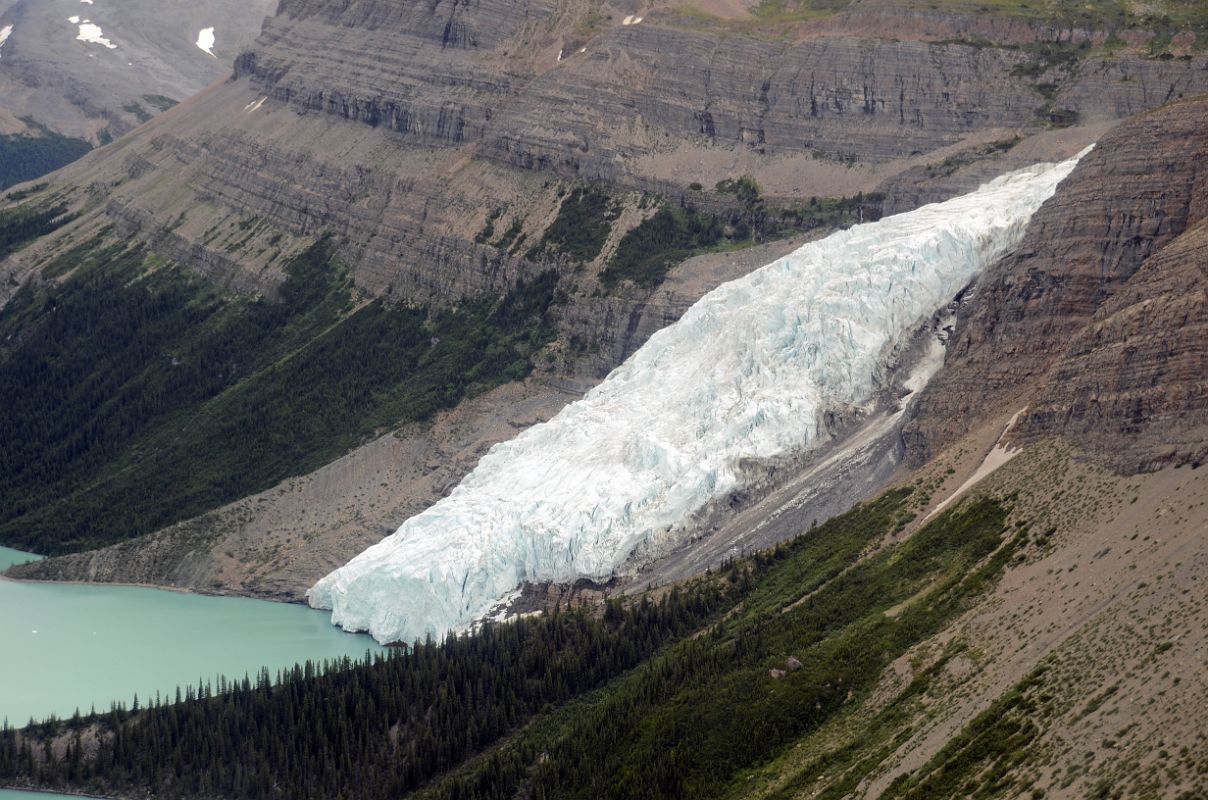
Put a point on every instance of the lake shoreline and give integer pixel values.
(268, 598)
(86, 645)
(50, 793)
(5, 569)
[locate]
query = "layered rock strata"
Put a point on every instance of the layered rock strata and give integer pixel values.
(1096, 322)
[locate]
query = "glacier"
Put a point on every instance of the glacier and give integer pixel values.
(749, 372)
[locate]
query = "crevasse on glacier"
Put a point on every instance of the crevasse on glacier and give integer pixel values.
(748, 372)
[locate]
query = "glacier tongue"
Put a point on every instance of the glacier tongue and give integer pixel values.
(748, 372)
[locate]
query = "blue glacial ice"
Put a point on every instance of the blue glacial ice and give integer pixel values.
(749, 372)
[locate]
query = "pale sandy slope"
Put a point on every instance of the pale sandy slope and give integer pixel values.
(1111, 606)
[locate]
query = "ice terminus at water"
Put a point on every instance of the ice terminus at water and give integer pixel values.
(749, 372)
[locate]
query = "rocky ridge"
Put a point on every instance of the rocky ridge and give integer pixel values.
(669, 84)
(1096, 323)
(416, 123)
(1135, 374)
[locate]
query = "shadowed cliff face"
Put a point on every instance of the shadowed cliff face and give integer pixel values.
(1096, 323)
(1132, 386)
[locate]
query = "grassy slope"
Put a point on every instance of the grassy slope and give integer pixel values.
(1065, 726)
(694, 720)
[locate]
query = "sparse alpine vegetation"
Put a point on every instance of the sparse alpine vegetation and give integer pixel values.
(581, 227)
(663, 240)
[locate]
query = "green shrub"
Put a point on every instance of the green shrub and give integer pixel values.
(581, 227)
(661, 241)
(159, 101)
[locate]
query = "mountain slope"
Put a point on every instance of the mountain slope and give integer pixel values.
(239, 394)
(1058, 321)
(1139, 368)
(449, 156)
(1017, 643)
(1044, 635)
(94, 70)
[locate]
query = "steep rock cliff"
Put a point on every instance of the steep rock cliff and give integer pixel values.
(400, 128)
(848, 90)
(1096, 322)
(1132, 386)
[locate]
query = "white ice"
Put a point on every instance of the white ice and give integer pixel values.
(749, 372)
(74, 20)
(5, 32)
(92, 34)
(205, 40)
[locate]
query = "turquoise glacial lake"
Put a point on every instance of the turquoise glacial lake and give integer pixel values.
(69, 646)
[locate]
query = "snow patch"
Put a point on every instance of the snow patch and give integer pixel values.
(631, 20)
(92, 34)
(751, 371)
(89, 2)
(5, 32)
(74, 20)
(205, 40)
(255, 104)
(999, 454)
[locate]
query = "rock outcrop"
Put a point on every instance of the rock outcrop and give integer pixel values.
(401, 128)
(1132, 386)
(1096, 323)
(849, 91)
